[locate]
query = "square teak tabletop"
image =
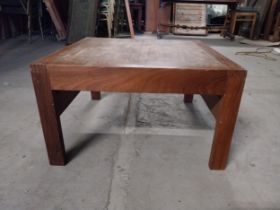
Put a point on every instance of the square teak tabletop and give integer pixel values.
(138, 66)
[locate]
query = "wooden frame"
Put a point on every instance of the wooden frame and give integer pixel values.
(163, 22)
(190, 68)
(152, 7)
(194, 15)
(243, 17)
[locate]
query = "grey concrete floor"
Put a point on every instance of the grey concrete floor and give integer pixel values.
(138, 152)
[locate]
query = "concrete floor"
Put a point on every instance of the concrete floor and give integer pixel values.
(138, 152)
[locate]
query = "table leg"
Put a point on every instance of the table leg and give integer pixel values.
(188, 98)
(233, 20)
(225, 122)
(95, 95)
(49, 115)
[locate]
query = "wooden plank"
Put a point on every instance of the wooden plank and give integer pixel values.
(56, 19)
(269, 19)
(164, 14)
(81, 19)
(129, 18)
(151, 15)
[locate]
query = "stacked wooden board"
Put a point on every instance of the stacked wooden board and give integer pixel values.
(190, 15)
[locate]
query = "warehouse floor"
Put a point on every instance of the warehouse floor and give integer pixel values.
(138, 152)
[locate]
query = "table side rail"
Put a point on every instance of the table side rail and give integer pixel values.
(135, 80)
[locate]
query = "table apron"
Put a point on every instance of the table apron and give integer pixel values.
(139, 81)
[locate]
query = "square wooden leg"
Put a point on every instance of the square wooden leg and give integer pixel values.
(95, 95)
(225, 122)
(49, 115)
(188, 98)
(232, 23)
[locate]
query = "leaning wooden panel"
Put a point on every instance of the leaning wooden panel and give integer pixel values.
(129, 18)
(56, 19)
(82, 19)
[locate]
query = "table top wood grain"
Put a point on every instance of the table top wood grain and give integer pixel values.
(140, 54)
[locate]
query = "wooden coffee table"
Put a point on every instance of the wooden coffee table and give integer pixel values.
(138, 66)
